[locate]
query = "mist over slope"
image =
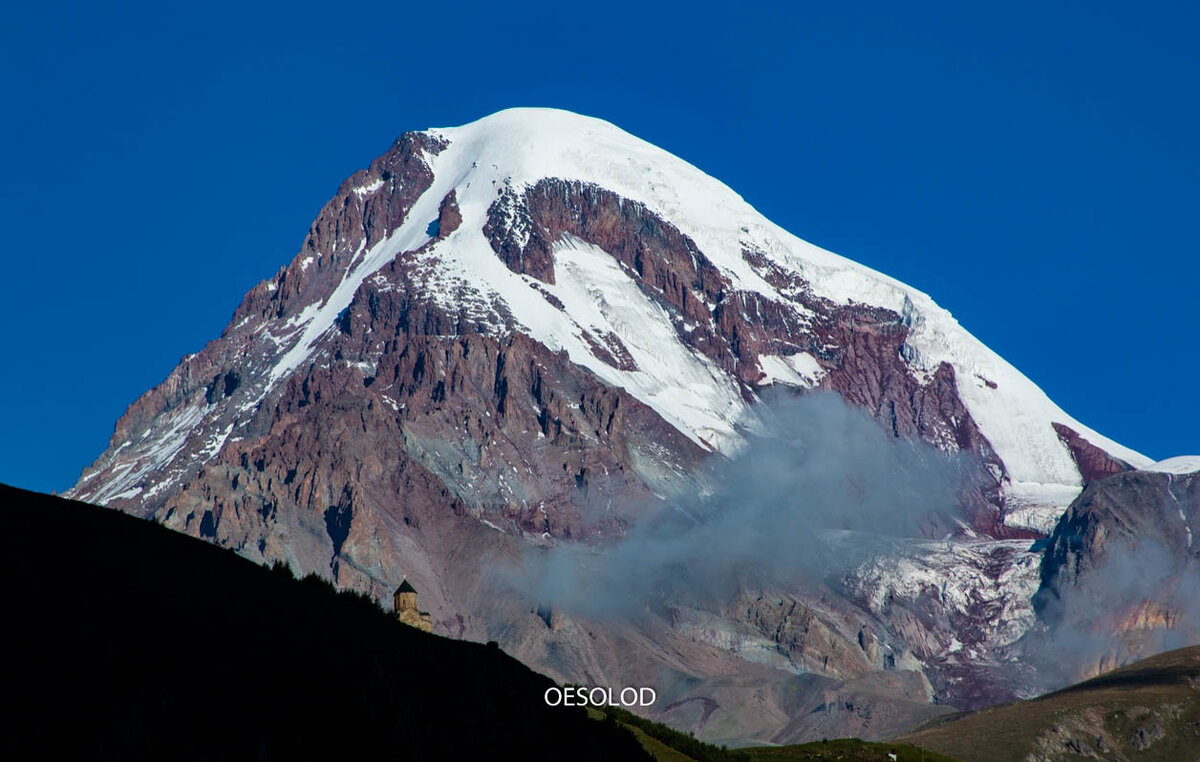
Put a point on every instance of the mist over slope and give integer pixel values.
(819, 490)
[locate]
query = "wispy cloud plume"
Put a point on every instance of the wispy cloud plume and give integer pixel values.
(821, 489)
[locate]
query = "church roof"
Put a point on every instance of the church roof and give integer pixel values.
(406, 587)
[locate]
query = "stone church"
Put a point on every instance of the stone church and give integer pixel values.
(405, 600)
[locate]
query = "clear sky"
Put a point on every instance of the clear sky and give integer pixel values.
(1033, 166)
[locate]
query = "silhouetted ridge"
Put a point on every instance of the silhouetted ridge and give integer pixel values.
(129, 640)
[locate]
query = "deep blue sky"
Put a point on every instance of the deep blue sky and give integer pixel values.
(1034, 167)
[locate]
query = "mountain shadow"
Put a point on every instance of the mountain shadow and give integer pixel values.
(125, 639)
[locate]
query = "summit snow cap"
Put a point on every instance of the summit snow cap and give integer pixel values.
(518, 147)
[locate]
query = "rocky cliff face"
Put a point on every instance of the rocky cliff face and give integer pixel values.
(518, 333)
(1120, 576)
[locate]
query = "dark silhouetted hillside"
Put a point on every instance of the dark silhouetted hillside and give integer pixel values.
(127, 640)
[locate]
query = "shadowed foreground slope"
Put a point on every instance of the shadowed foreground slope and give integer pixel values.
(1148, 710)
(129, 640)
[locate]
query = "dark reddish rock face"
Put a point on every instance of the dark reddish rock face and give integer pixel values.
(1093, 462)
(449, 217)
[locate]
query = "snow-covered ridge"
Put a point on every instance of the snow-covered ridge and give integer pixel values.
(1180, 464)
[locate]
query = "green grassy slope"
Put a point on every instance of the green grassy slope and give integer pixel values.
(669, 745)
(1149, 710)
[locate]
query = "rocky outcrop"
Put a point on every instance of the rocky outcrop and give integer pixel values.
(449, 217)
(1093, 462)
(1120, 512)
(1120, 571)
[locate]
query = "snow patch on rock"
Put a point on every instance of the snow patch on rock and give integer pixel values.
(800, 369)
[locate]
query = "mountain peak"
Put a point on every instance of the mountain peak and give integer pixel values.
(523, 331)
(535, 120)
(563, 283)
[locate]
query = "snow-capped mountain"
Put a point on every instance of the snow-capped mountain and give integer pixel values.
(499, 335)
(574, 296)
